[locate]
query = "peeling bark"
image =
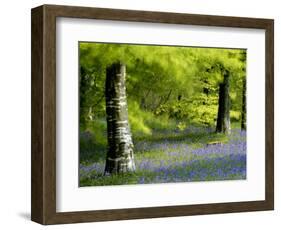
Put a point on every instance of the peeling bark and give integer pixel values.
(223, 118)
(120, 154)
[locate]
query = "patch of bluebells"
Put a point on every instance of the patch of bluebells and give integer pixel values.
(87, 171)
(180, 162)
(195, 129)
(232, 166)
(233, 147)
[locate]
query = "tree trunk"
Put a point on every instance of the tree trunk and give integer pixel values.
(120, 156)
(223, 118)
(243, 112)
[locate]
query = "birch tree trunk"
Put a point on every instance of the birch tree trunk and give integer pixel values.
(243, 112)
(223, 118)
(120, 156)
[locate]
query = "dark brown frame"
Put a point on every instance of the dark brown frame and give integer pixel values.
(43, 160)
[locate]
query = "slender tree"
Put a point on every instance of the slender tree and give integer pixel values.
(243, 112)
(223, 118)
(243, 58)
(120, 155)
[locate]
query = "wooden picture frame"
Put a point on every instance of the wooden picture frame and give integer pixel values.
(43, 207)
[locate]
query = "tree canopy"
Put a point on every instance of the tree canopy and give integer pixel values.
(164, 83)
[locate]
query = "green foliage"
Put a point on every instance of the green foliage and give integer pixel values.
(138, 119)
(167, 87)
(93, 140)
(144, 122)
(182, 126)
(235, 116)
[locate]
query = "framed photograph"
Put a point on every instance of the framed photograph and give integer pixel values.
(139, 114)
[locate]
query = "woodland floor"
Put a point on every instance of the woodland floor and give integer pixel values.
(194, 154)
